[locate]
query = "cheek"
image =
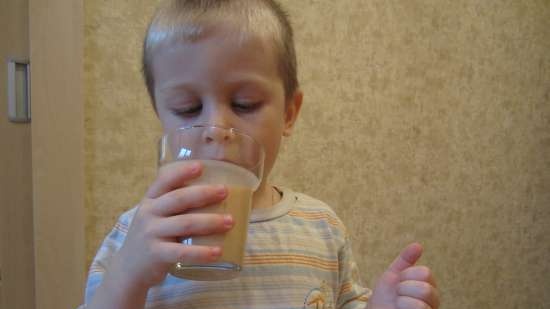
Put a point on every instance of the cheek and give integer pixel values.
(275, 130)
(271, 141)
(168, 121)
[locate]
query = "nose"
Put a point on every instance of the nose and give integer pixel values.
(217, 114)
(216, 134)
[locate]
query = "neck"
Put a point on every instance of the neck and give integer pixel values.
(265, 196)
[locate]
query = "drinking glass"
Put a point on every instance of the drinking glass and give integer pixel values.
(231, 158)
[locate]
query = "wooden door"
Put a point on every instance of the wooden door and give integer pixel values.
(16, 208)
(42, 162)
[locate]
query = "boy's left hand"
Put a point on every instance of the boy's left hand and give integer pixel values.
(404, 285)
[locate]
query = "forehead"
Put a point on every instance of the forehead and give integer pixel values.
(241, 19)
(220, 53)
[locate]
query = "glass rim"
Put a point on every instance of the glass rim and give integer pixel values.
(232, 130)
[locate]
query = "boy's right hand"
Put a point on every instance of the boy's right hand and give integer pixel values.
(152, 245)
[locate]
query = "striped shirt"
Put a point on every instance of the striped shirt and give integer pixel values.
(297, 255)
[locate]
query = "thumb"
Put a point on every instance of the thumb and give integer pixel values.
(407, 258)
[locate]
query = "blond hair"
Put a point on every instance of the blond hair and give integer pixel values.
(190, 20)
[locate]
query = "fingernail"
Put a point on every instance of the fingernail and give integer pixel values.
(221, 191)
(215, 251)
(228, 220)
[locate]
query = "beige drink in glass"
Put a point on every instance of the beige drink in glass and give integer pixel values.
(230, 158)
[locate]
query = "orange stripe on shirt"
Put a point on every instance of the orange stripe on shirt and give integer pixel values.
(346, 288)
(96, 269)
(314, 216)
(122, 228)
(291, 259)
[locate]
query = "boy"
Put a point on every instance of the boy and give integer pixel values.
(231, 63)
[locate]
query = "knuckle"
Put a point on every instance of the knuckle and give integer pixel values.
(149, 232)
(207, 190)
(424, 272)
(141, 215)
(425, 290)
(183, 254)
(144, 206)
(183, 198)
(196, 195)
(176, 201)
(172, 198)
(185, 227)
(188, 253)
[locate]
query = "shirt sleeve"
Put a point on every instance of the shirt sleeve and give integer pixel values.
(352, 294)
(111, 244)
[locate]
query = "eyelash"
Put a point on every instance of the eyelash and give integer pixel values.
(239, 107)
(188, 111)
(246, 107)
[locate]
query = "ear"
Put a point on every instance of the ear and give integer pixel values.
(292, 110)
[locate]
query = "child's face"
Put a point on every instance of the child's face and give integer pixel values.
(218, 81)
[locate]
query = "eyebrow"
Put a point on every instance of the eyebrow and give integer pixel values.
(177, 85)
(232, 80)
(248, 78)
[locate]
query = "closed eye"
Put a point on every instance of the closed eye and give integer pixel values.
(188, 111)
(245, 107)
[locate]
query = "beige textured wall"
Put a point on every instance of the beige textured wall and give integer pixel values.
(423, 120)
(121, 128)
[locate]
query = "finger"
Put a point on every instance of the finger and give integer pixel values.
(171, 252)
(406, 258)
(418, 273)
(180, 200)
(193, 225)
(172, 176)
(419, 290)
(405, 302)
